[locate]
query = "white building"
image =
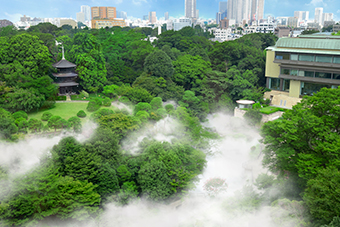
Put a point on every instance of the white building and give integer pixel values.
(190, 9)
(81, 17)
(86, 10)
(318, 15)
(178, 24)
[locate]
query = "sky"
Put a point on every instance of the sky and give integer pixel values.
(14, 9)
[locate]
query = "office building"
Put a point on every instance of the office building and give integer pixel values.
(178, 24)
(222, 7)
(86, 10)
(301, 66)
(190, 9)
(224, 24)
(166, 16)
(122, 14)
(103, 23)
(146, 17)
(302, 15)
(152, 17)
(197, 14)
(102, 12)
(293, 22)
(249, 10)
(81, 17)
(327, 17)
(318, 15)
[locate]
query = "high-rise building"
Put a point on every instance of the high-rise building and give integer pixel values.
(152, 17)
(145, 17)
(122, 14)
(103, 12)
(197, 13)
(302, 15)
(166, 15)
(293, 22)
(81, 17)
(222, 6)
(86, 10)
(249, 10)
(190, 8)
(318, 15)
(327, 17)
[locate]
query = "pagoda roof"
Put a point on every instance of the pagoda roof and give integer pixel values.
(69, 74)
(67, 84)
(63, 64)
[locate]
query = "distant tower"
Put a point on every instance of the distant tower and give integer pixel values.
(166, 15)
(318, 15)
(190, 8)
(86, 10)
(222, 6)
(152, 17)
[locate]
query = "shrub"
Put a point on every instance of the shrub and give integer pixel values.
(253, 117)
(256, 106)
(20, 114)
(93, 105)
(84, 93)
(46, 116)
(60, 98)
(169, 108)
(81, 114)
(142, 106)
(156, 103)
(107, 102)
(100, 113)
(124, 99)
(143, 115)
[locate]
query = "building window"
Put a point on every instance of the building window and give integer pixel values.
(305, 57)
(274, 83)
(294, 72)
(323, 75)
(310, 88)
(282, 56)
(336, 60)
(285, 85)
(294, 57)
(325, 59)
(336, 76)
(285, 71)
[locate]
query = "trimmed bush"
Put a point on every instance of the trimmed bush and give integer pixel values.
(256, 106)
(107, 102)
(20, 114)
(81, 114)
(46, 116)
(169, 108)
(93, 105)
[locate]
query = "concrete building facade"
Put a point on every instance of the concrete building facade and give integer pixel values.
(103, 23)
(301, 66)
(103, 12)
(190, 9)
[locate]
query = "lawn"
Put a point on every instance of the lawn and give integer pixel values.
(65, 110)
(270, 109)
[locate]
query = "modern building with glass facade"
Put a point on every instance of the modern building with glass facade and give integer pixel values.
(301, 66)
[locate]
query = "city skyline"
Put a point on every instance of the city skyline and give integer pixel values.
(13, 10)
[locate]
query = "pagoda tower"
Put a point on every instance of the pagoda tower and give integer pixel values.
(66, 77)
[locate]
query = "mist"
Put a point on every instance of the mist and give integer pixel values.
(236, 157)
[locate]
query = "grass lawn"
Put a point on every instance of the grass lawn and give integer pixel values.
(270, 109)
(66, 110)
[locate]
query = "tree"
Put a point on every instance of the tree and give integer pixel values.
(75, 124)
(55, 122)
(253, 116)
(159, 64)
(24, 99)
(26, 63)
(7, 125)
(35, 125)
(190, 71)
(321, 195)
(307, 138)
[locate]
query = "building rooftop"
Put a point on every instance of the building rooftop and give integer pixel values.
(63, 64)
(69, 74)
(310, 42)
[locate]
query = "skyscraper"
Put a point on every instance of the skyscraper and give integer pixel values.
(81, 17)
(166, 15)
(327, 17)
(223, 6)
(152, 17)
(260, 9)
(86, 10)
(190, 8)
(318, 15)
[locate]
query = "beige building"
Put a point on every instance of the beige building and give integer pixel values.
(71, 22)
(301, 66)
(103, 12)
(102, 23)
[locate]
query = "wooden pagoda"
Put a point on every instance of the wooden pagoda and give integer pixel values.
(66, 77)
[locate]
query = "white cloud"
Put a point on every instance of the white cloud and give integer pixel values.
(317, 2)
(139, 2)
(13, 17)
